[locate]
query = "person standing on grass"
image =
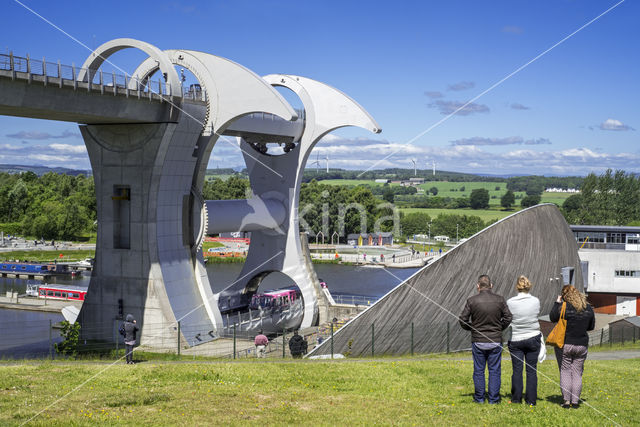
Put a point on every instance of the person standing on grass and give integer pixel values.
(297, 345)
(129, 329)
(571, 356)
(261, 342)
(486, 315)
(525, 341)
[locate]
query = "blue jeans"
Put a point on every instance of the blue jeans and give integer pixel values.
(525, 351)
(491, 359)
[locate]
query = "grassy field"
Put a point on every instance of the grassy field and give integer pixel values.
(557, 198)
(484, 214)
(453, 189)
(46, 256)
(406, 391)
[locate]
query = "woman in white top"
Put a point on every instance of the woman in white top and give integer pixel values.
(525, 342)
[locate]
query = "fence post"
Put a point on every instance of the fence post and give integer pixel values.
(412, 338)
(622, 335)
(29, 78)
(234, 340)
(117, 339)
(332, 340)
(448, 332)
(12, 66)
(284, 332)
(634, 335)
(178, 338)
(601, 336)
(59, 74)
(50, 342)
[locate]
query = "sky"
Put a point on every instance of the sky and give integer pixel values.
(571, 109)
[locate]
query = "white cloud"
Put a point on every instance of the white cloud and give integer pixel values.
(67, 148)
(473, 158)
(460, 108)
(613, 124)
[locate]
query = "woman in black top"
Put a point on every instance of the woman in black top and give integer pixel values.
(571, 356)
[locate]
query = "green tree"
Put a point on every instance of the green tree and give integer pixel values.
(70, 334)
(434, 191)
(508, 199)
(479, 198)
(530, 201)
(572, 209)
(414, 223)
(387, 194)
(18, 200)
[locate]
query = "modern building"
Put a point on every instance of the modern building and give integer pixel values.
(611, 262)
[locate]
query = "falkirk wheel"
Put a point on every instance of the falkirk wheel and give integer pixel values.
(152, 218)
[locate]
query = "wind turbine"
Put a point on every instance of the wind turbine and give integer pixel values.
(317, 163)
(327, 159)
(433, 162)
(414, 167)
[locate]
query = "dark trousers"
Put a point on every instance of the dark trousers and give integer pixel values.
(525, 351)
(129, 352)
(491, 359)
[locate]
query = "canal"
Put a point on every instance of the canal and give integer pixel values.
(26, 333)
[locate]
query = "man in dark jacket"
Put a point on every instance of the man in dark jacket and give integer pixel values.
(129, 329)
(297, 345)
(486, 315)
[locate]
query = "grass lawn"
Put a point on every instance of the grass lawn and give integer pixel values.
(207, 245)
(557, 198)
(403, 391)
(484, 214)
(46, 256)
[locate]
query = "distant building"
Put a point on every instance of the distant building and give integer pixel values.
(611, 265)
(370, 239)
(561, 190)
(382, 181)
(626, 329)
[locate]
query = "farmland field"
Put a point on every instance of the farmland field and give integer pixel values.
(454, 190)
(484, 214)
(557, 198)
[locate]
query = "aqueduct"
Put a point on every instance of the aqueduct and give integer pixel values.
(149, 147)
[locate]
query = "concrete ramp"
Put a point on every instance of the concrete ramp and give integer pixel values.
(536, 242)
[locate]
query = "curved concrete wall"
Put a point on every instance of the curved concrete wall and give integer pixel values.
(536, 242)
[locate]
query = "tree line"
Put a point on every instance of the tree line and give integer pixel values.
(51, 206)
(612, 198)
(60, 206)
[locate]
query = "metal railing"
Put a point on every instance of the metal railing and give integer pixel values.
(354, 299)
(111, 83)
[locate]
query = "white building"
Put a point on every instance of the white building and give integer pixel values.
(612, 258)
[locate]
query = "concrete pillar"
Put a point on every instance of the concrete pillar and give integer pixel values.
(144, 260)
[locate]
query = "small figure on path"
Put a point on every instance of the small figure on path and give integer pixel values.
(129, 330)
(261, 342)
(486, 315)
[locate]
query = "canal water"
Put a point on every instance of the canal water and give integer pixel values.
(25, 333)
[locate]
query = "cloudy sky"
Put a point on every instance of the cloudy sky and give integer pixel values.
(479, 87)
